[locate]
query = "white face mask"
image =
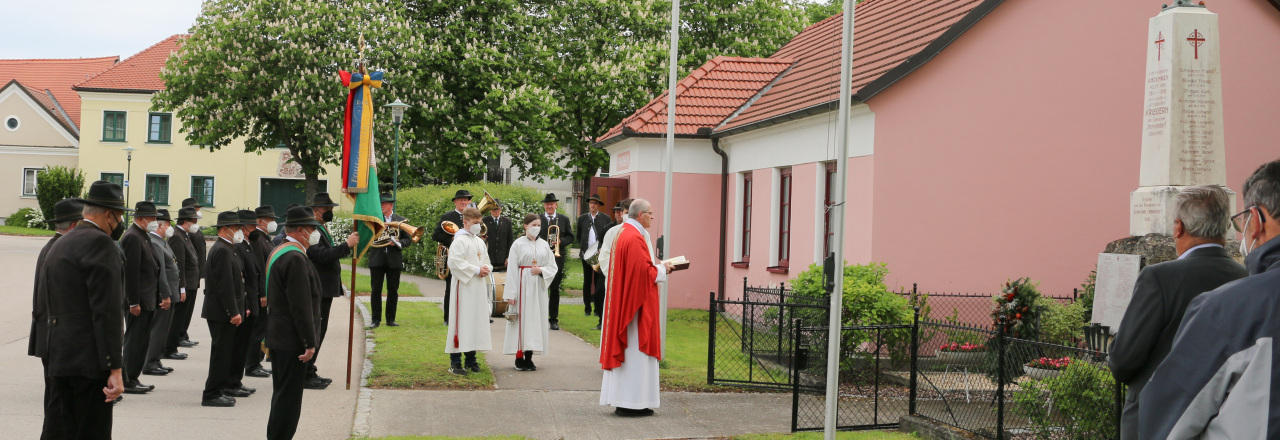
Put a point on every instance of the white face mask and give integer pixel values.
(239, 237)
(475, 229)
(271, 227)
(194, 227)
(168, 233)
(1244, 241)
(532, 231)
(199, 215)
(314, 238)
(152, 226)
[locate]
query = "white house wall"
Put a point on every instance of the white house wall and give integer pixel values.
(806, 140)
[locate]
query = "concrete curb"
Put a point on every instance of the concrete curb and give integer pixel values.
(364, 403)
(932, 430)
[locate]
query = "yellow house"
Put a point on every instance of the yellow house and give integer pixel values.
(162, 167)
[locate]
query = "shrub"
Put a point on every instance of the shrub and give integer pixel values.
(1077, 404)
(57, 183)
(1085, 297)
(866, 301)
(1062, 325)
(23, 218)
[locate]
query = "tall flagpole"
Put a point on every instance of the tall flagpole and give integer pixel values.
(667, 158)
(837, 221)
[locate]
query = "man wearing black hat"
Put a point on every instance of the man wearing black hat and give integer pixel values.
(192, 228)
(170, 281)
(279, 238)
(293, 295)
(387, 262)
(253, 300)
(591, 229)
(184, 253)
(80, 287)
(144, 293)
(499, 239)
(461, 199)
(223, 309)
(66, 215)
(550, 217)
(326, 256)
(261, 243)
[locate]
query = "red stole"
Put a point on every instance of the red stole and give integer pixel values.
(631, 288)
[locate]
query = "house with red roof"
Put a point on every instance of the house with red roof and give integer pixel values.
(40, 116)
(988, 140)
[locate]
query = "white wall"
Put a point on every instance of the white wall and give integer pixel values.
(806, 140)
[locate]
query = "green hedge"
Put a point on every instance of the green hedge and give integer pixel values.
(26, 218)
(57, 183)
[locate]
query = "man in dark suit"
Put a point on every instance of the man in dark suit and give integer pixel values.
(192, 228)
(66, 215)
(223, 309)
(170, 279)
(386, 263)
(253, 285)
(279, 238)
(326, 256)
(143, 293)
(81, 287)
(591, 229)
(461, 199)
(549, 218)
(260, 241)
(1163, 291)
(293, 335)
(184, 253)
(500, 237)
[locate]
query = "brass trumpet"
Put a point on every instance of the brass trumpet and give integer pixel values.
(442, 252)
(553, 238)
(391, 234)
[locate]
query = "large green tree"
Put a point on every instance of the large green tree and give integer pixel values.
(264, 71)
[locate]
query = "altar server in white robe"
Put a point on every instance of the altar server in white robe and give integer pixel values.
(531, 267)
(469, 325)
(606, 247)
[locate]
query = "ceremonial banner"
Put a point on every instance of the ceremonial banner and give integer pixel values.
(360, 181)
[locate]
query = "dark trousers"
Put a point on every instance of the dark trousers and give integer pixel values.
(1129, 415)
(160, 324)
(85, 412)
(137, 334)
(553, 309)
(52, 408)
(221, 354)
(393, 292)
(455, 359)
(182, 313)
(253, 357)
(326, 304)
(240, 350)
(592, 289)
(448, 288)
(288, 374)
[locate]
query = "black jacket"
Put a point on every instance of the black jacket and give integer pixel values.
(188, 262)
(262, 247)
(499, 240)
(439, 235)
(390, 257)
(1160, 298)
(202, 252)
(566, 232)
(326, 255)
(293, 295)
(142, 285)
(254, 278)
(601, 224)
(224, 285)
(82, 280)
(38, 310)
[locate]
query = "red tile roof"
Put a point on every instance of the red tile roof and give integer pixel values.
(139, 73)
(887, 34)
(56, 75)
(706, 97)
(42, 97)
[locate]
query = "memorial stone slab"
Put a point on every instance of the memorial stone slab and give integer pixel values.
(1117, 274)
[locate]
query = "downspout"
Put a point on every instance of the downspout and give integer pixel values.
(724, 208)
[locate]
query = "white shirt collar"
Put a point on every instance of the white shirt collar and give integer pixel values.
(157, 235)
(292, 239)
(1189, 251)
(228, 241)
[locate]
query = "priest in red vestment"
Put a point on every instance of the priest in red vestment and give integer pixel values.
(631, 335)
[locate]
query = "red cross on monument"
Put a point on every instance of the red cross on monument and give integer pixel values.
(1196, 40)
(1159, 44)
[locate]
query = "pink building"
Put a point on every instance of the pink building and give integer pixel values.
(989, 140)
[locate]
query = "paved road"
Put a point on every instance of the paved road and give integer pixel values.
(173, 410)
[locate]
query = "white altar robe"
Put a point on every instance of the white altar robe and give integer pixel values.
(634, 384)
(532, 331)
(469, 319)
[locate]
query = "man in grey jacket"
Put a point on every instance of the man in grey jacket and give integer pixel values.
(1220, 379)
(170, 282)
(1163, 291)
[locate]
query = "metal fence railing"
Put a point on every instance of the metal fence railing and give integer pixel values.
(877, 381)
(750, 342)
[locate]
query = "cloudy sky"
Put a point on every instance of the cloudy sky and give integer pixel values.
(90, 28)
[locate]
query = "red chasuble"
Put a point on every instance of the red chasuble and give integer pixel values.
(631, 288)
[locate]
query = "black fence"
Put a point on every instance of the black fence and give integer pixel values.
(969, 309)
(876, 378)
(750, 340)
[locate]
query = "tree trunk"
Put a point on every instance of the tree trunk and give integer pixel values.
(313, 186)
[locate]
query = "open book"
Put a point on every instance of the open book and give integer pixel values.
(680, 263)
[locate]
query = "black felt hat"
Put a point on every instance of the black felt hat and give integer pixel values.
(247, 217)
(300, 216)
(618, 207)
(228, 218)
(595, 198)
(164, 215)
(67, 210)
(462, 194)
(322, 200)
(107, 195)
(551, 197)
(145, 209)
(388, 198)
(265, 211)
(187, 213)
(191, 201)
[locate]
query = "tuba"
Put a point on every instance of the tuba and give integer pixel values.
(442, 252)
(486, 203)
(553, 238)
(391, 234)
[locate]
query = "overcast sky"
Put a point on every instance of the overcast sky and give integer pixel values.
(90, 28)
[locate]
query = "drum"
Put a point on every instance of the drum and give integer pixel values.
(499, 306)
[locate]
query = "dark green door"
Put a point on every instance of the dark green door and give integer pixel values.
(280, 193)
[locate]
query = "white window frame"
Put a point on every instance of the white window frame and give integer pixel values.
(34, 184)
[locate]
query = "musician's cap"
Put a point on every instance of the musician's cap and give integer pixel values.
(462, 194)
(596, 199)
(387, 198)
(551, 197)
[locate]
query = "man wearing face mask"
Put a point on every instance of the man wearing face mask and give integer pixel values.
(261, 243)
(253, 299)
(144, 292)
(326, 256)
(198, 243)
(184, 254)
(461, 199)
(1219, 380)
(551, 218)
(293, 335)
(280, 238)
(170, 280)
(81, 285)
(469, 328)
(223, 310)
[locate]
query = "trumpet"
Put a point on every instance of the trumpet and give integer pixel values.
(391, 234)
(442, 252)
(553, 238)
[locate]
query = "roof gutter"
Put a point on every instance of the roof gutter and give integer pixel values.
(724, 209)
(92, 89)
(629, 133)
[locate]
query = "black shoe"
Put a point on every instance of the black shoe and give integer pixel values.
(315, 384)
(223, 401)
(392, 324)
(587, 311)
(474, 367)
(250, 390)
(598, 326)
(175, 356)
(555, 326)
(258, 372)
(324, 379)
(529, 366)
(521, 365)
(137, 388)
(374, 325)
(167, 368)
(235, 392)
(458, 370)
(187, 343)
(156, 372)
(628, 412)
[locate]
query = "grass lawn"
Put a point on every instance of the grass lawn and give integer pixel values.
(856, 435)
(572, 277)
(18, 230)
(363, 283)
(412, 355)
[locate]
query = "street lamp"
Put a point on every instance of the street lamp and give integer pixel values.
(128, 170)
(397, 115)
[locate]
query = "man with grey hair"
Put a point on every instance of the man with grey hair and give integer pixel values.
(1163, 291)
(1220, 377)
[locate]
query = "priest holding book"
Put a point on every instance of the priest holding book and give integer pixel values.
(631, 335)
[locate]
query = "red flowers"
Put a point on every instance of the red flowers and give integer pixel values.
(967, 347)
(1047, 363)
